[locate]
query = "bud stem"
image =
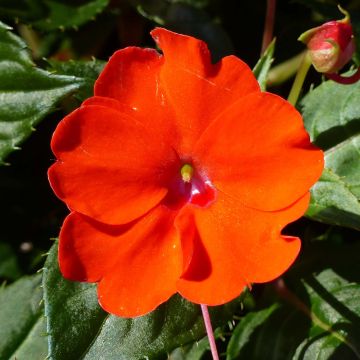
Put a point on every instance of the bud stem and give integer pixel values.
(269, 25)
(299, 79)
(285, 70)
(345, 80)
(209, 331)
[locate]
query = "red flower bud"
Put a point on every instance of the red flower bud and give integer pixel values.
(330, 45)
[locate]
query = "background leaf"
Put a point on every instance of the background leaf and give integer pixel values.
(27, 93)
(87, 71)
(332, 117)
(67, 14)
(22, 330)
(79, 329)
(316, 317)
(193, 351)
(9, 267)
(262, 67)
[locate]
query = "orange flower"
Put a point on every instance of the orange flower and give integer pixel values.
(180, 175)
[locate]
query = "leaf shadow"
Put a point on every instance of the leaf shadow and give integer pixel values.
(334, 215)
(330, 299)
(337, 134)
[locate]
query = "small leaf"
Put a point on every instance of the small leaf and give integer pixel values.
(332, 117)
(27, 93)
(88, 71)
(22, 330)
(79, 329)
(64, 15)
(262, 67)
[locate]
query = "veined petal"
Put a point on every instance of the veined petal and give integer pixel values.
(259, 152)
(235, 246)
(137, 264)
(109, 166)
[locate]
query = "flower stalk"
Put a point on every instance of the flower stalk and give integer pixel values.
(209, 331)
(299, 79)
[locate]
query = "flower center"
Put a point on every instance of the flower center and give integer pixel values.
(189, 186)
(187, 172)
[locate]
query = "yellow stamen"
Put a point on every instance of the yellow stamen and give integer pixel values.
(187, 172)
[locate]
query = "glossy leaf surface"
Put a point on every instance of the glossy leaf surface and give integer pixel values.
(27, 93)
(332, 117)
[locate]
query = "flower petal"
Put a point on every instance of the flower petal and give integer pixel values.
(109, 166)
(235, 246)
(178, 93)
(258, 152)
(198, 90)
(109, 103)
(132, 76)
(137, 265)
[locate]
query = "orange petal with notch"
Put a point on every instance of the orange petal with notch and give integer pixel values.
(235, 246)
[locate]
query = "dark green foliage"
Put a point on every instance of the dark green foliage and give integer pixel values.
(317, 317)
(22, 330)
(27, 93)
(332, 118)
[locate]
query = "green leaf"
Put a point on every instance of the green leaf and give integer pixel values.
(9, 267)
(319, 309)
(64, 15)
(88, 71)
(262, 67)
(320, 322)
(22, 330)
(195, 351)
(332, 117)
(79, 329)
(27, 93)
(245, 329)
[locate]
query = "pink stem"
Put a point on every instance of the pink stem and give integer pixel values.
(209, 331)
(345, 80)
(269, 24)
